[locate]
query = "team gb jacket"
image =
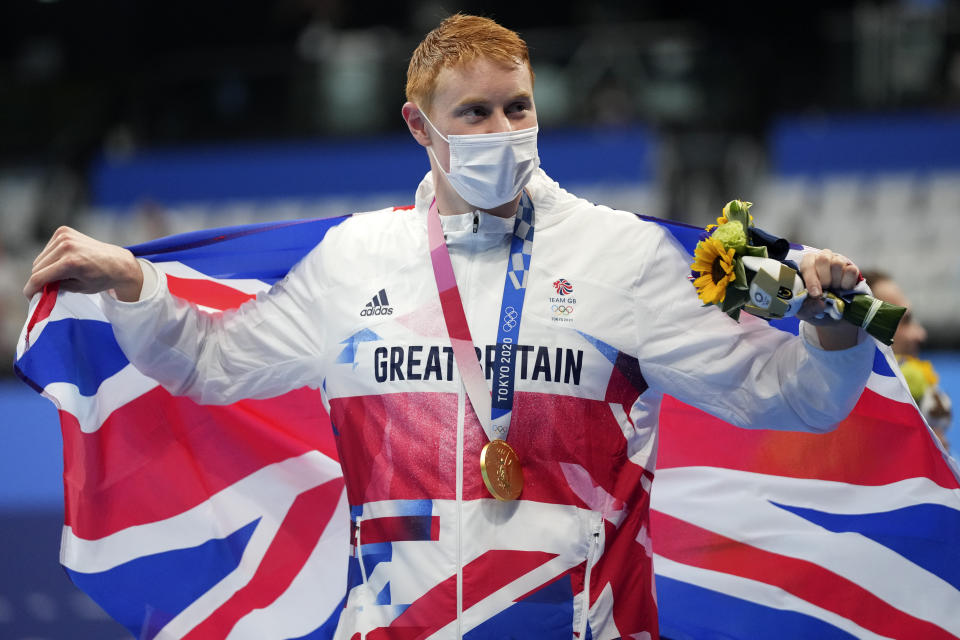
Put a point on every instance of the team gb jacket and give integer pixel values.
(610, 324)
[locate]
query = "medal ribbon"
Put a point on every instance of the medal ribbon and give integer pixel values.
(500, 402)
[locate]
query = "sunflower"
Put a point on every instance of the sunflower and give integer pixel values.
(714, 262)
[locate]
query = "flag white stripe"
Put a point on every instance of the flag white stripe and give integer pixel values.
(826, 495)
(91, 412)
(889, 387)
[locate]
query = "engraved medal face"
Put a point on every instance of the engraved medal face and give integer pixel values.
(500, 467)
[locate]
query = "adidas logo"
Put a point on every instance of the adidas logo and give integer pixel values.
(378, 306)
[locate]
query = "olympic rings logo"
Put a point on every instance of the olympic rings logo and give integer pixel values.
(562, 309)
(509, 319)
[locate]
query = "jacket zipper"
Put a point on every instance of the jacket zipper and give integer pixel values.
(461, 420)
(363, 569)
(356, 541)
(461, 415)
(595, 545)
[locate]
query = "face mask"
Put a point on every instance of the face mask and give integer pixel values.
(490, 169)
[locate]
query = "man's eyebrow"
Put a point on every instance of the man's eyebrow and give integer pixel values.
(520, 95)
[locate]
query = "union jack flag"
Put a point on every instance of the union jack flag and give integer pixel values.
(788, 535)
(189, 521)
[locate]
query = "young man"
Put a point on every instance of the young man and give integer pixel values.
(922, 380)
(581, 316)
(910, 334)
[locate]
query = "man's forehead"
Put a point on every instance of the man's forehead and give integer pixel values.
(473, 75)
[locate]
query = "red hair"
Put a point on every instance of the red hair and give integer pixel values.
(458, 40)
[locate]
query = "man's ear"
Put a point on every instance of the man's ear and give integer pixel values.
(416, 123)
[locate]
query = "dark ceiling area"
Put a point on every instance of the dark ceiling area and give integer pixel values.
(76, 77)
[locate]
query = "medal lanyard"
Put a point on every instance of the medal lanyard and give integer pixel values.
(500, 402)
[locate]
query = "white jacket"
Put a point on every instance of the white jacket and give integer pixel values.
(360, 318)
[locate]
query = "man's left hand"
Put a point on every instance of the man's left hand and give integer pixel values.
(823, 270)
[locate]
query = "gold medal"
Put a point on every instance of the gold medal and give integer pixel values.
(501, 470)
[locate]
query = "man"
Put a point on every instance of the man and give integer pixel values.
(581, 318)
(910, 333)
(921, 379)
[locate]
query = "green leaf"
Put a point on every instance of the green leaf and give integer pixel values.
(737, 215)
(734, 299)
(739, 276)
(756, 252)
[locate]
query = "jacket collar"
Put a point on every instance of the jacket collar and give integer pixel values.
(544, 194)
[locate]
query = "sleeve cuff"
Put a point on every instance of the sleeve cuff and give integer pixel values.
(812, 339)
(153, 281)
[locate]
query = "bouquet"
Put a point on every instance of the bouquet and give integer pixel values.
(739, 267)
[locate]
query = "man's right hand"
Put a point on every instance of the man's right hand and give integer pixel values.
(85, 265)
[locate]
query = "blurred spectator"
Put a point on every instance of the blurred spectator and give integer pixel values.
(910, 334)
(13, 306)
(919, 374)
(933, 402)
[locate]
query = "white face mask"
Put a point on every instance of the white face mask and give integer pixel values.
(489, 169)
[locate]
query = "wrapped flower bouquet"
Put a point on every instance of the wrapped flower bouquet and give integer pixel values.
(739, 267)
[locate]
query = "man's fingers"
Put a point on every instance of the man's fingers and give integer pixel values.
(808, 271)
(844, 273)
(62, 259)
(37, 280)
(850, 277)
(41, 277)
(825, 270)
(33, 286)
(836, 273)
(824, 266)
(55, 253)
(55, 240)
(66, 266)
